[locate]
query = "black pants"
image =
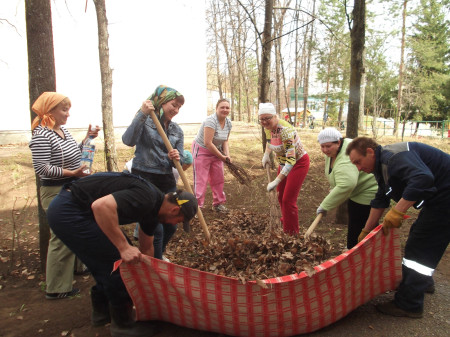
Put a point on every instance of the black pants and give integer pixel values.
(76, 227)
(357, 217)
(427, 241)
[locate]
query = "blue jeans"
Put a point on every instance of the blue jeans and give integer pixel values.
(77, 229)
(162, 235)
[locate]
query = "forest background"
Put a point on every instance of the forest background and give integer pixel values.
(404, 76)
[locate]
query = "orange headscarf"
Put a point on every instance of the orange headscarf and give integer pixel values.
(42, 106)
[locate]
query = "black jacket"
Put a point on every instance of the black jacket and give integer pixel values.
(412, 171)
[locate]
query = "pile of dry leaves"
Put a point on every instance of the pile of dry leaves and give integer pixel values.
(242, 246)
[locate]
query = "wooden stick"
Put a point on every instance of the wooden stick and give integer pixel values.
(313, 225)
(269, 178)
(273, 203)
(180, 171)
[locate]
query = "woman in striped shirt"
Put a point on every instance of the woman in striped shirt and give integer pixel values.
(56, 159)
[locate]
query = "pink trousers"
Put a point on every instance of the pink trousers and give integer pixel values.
(207, 169)
(288, 191)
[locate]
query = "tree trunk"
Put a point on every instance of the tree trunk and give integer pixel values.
(308, 67)
(278, 105)
(235, 59)
(240, 57)
(375, 124)
(278, 24)
(357, 35)
(216, 41)
(41, 77)
(296, 17)
(279, 71)
(325, 103)
(230, 72)
(362, 100)
(400, 72)
(341, 112)
(264, 78)
(106, 76)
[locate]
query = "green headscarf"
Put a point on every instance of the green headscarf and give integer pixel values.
(161, 95)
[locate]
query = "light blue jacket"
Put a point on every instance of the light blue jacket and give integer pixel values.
(151, 153)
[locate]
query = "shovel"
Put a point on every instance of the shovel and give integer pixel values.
(313, 226)
(180, 172)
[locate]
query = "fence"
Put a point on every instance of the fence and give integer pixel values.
(385, 127)
(432, 129)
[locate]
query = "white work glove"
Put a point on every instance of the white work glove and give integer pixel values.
(273, 184)
(321, 210)
(265, 159)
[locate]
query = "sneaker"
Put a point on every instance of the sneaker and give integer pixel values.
(58, 296)
(165, 259)
(220, 208)
(390, 308)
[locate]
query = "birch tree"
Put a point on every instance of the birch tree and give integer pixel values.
(106, 77)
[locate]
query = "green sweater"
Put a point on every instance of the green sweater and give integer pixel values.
(347, 182)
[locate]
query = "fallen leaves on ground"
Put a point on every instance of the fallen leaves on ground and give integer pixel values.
(243, 246)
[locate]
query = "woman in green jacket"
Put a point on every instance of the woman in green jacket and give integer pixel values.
(346, 183)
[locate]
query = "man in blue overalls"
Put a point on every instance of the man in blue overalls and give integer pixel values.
(414, 175)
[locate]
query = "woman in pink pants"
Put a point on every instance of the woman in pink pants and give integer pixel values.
(210, 149)
(283, 140)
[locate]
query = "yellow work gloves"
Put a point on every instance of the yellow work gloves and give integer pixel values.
(362, 235)
(392, 219)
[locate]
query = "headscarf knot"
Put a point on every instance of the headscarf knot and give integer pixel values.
(42, 107)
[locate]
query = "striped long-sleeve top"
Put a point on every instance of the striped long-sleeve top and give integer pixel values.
(51, 153)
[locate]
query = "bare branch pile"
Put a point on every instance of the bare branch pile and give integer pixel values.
(239, 173)
(242, 248)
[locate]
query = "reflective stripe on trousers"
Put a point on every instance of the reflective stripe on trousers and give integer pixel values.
(420, 268)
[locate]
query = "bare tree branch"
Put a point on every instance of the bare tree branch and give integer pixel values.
(9, 23)
(314, 17)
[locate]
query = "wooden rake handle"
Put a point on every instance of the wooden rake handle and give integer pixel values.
(180, 171)
(313, 225)
(269, 178)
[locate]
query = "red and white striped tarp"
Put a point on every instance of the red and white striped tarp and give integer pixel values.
(290, 305)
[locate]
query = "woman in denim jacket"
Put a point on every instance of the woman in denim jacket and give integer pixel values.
(152, 160)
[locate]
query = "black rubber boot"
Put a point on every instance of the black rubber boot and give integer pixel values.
(124, 325)
(100, 307)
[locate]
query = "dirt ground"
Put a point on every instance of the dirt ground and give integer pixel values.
(24, 311)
